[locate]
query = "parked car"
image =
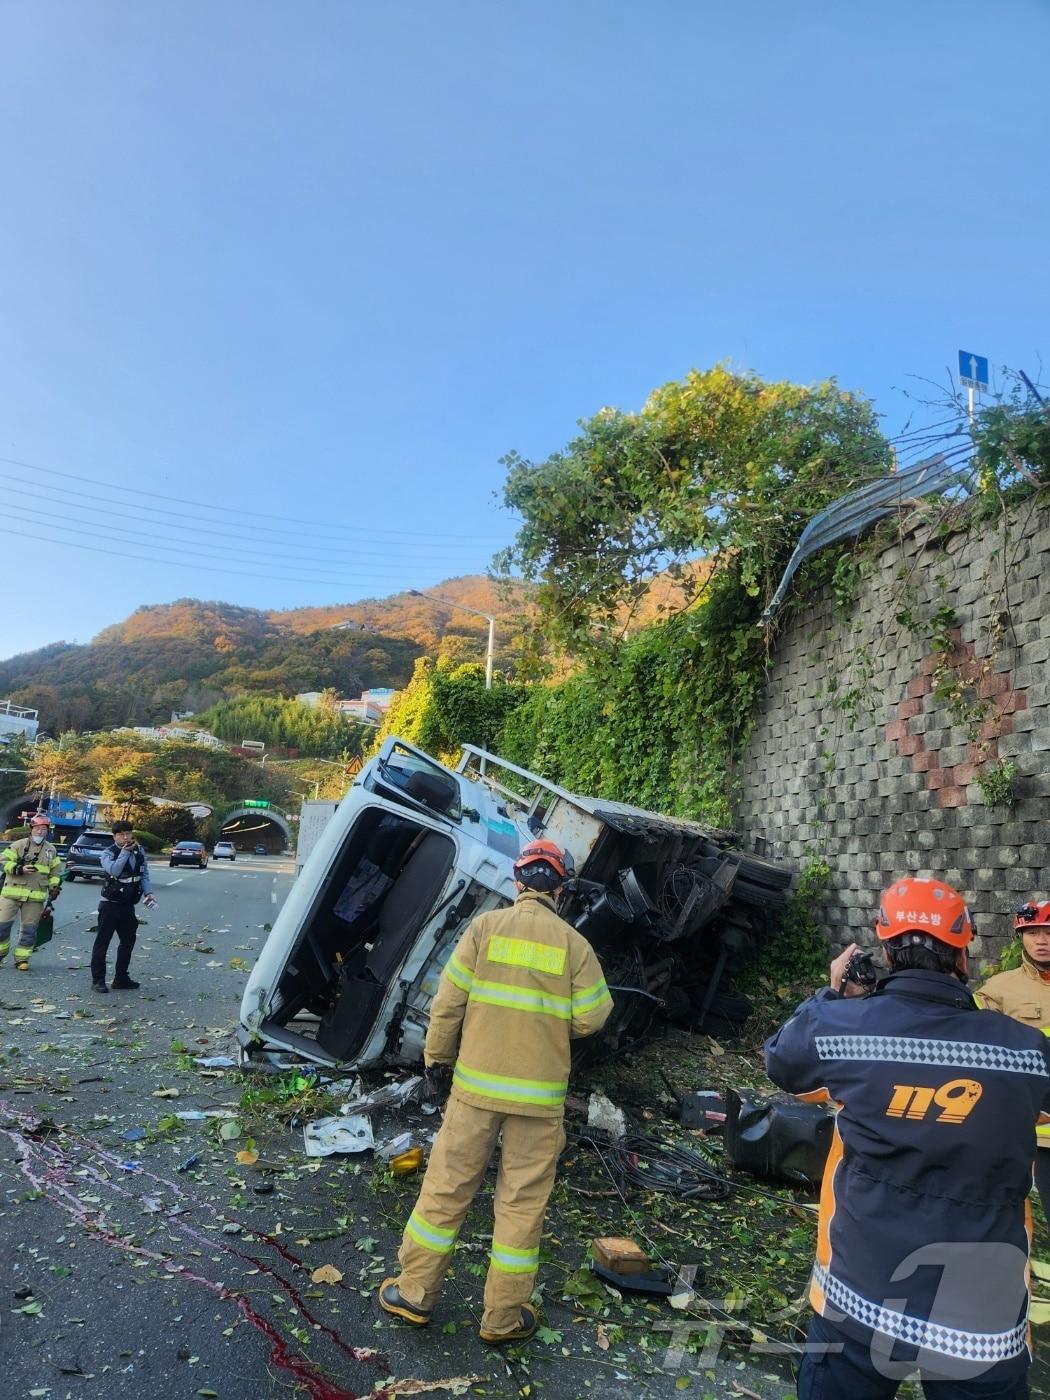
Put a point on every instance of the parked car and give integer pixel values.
(84, 858)
(416, 850)
(262, 850)
(189, 853)
(224, 850)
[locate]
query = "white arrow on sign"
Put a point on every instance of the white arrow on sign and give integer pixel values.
(973, 366)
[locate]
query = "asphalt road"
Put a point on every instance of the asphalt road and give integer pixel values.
(121, 1274)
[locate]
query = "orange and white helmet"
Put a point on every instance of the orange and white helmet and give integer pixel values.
(926, 907)
(1031, 916)
(543, 865)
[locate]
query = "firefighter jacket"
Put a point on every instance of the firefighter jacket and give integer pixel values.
(922, 1235)
(520, 983)
(1024, 994)
(41, 871)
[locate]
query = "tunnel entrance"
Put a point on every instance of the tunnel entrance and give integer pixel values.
(249, 827)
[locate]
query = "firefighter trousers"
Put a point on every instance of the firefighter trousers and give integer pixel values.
(529, 1152)
(31, 910)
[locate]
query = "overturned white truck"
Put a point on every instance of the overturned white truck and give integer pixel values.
(415, 850)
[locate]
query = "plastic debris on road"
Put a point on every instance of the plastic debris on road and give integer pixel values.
(215, 1062)
(603, 1113)
(389, 1096)
(326, 1136)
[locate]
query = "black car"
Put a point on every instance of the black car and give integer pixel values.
(261, 850)
(189, 853)
(84, 858)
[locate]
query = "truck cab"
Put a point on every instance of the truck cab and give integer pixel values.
(415, 850)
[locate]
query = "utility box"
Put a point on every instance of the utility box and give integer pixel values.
(313, 819)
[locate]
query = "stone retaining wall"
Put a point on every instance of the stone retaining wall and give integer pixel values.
(858, 756)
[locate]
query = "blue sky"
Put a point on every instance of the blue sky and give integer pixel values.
(328, 262)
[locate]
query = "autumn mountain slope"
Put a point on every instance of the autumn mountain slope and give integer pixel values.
(190, 654)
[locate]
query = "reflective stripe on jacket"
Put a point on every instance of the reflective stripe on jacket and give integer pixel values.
(519, 985)
(1025, 995)
(41, 870)
(922, 1235)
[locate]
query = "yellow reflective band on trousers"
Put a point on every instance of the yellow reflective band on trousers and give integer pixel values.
(510, 1091)
(521, 999)
(430, 1236)
(523, 952)
(514, 1261)
(460, 976)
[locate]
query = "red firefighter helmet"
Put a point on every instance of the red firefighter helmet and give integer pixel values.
(39, 819)
(544, 862)
(927, 907)
(1032, 915)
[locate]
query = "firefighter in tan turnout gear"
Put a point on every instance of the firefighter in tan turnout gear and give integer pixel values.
(520, 983)
(32, 877)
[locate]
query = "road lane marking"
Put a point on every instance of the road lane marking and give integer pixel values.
(169, 883)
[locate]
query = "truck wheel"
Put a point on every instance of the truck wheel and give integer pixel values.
(70, 876)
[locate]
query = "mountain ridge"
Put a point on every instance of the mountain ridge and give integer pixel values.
(190, 653)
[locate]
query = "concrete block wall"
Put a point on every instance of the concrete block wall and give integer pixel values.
(854, 757)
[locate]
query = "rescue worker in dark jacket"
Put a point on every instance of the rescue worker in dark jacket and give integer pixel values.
(922, 1239)
(520, 983)
(127, 881)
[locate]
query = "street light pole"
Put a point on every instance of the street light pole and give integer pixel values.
(490, 654)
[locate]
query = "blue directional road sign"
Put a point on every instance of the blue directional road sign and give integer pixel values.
(973, 370)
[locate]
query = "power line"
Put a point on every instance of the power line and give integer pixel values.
(61, 493)
(229, 510)
(185, 553)
(272, 577)
(256, 546)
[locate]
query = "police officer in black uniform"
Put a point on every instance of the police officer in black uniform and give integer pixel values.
(127, 881)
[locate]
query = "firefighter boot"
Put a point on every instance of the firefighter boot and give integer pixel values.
(391, 1301)
(525, 1329)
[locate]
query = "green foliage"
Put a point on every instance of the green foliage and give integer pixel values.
(177, 770)
(188, 655)
(316, 731)
(171, 824)
(659, 722)
(443, 707)
(1012, 955)
(149, 841)
(1012, 440)
(720, 468)
(800, 951)
(997, 784)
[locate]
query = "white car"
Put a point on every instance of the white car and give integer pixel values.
(415, 850)
(224, 850)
